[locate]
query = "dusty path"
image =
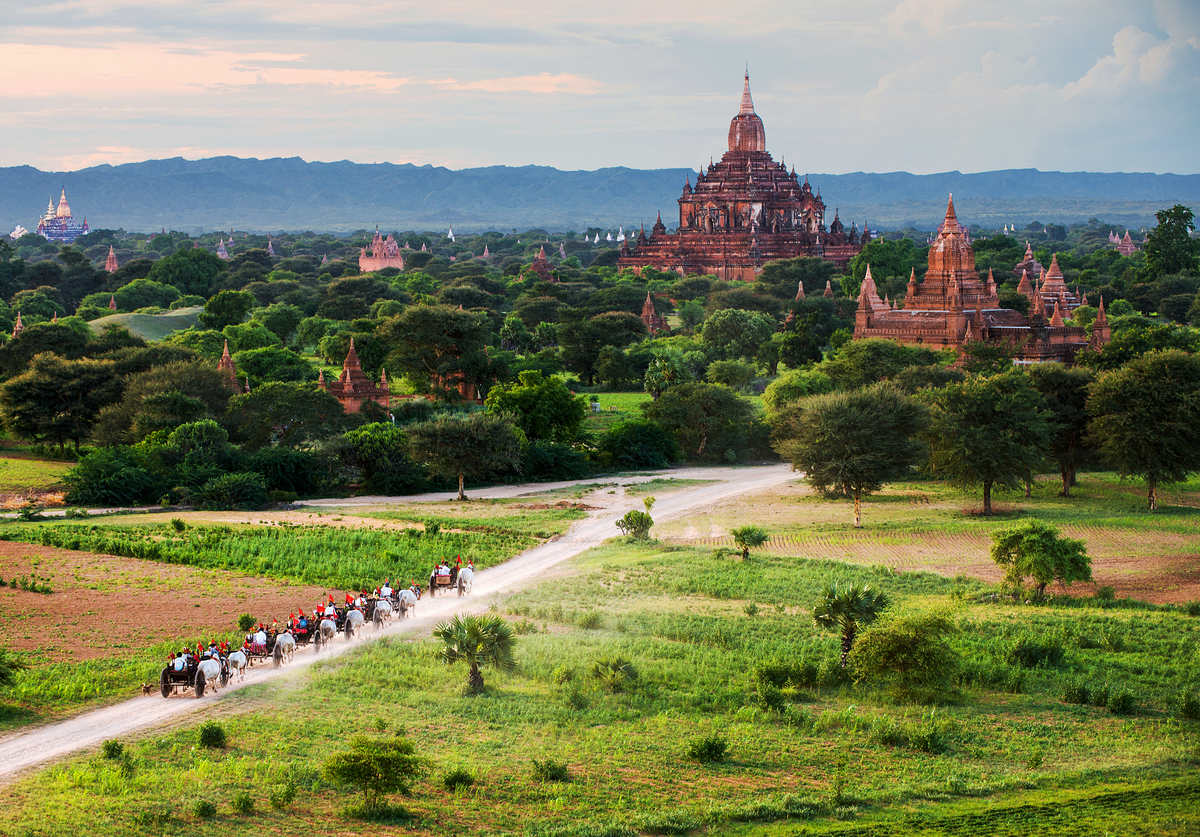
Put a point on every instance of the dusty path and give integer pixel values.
(24, 750)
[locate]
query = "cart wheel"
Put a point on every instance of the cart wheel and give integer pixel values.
(199, 684)
(164, 684)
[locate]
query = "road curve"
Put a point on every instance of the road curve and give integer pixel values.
(26, 749)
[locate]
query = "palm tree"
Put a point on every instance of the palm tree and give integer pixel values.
(477, 641)
(846, 606)
(747, 538)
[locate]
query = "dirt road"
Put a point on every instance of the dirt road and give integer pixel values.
(27, 749)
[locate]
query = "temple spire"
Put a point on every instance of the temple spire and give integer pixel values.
(951, 220)
(747, 102)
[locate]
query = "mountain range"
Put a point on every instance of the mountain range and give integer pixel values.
(293, 194)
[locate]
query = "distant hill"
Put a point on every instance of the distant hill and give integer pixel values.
(292, 194)
(151, 326)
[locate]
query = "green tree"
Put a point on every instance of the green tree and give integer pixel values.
(862, 362)
(707, 420)
(472, 447)
(1035, 550)
(227, 308)
(282, 319)
(582, 339)
(1065, 390)
(287, 414)
(851, 442)
(57, 400)
(667, 368)
(161, 398)
(141, 293)
(844, 607)
(376, 767)
(987, 431)
(434, 346)
(380, 451)
(542, 407)
(734, 374)
(1169, 247)
(191, 271)
(478, 641)
(273, 363)
(747, 538)
(1145, 418)
(733, 333)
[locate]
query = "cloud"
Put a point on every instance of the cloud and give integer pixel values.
(541, 83)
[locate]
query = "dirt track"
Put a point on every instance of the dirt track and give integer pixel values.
(24, 750)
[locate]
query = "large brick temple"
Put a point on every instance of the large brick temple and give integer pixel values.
(952, 306)
(744, 211)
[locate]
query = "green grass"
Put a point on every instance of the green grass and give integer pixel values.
(322, 555)
(24, 473)
(615, 407)
(151, 326)
(837, 757)
(661, 484)
(521, 517)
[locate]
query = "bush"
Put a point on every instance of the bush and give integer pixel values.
(638, 443)
(711, 749)
(910, 651)
(1076, 691)
(177, 524)
(242, 803)
(246, 622)
(550, 771)
(244, 490)
(545, 459)
(282, 795)
(112, 749)
(1121, 702)
(204, 809)
(1192, 608)
(590, 620)
(212, 735)
(1098, 694)
(1034, 653)
(116, 476)
(768, 696)
(1188, 705)
(376, 767)
(615, 674)
(457, 779)
(636, 524)
(1034, 550)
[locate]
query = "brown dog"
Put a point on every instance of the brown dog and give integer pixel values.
(147, 688)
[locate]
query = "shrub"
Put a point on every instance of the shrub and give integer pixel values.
(1076, 691)
(376, 767)
(177, 524)
(748, 537)
(242, 803)
(550, 771)
(615, 674)
(711, 749)
(1035, 550)
(1121, 702)
(1099, 694)
(212, 735)
(638, 443)
(636, 524)
(246, 622)
(112, 749)
(908, 650)
(751, 609)
(1106, 594)
(769, 696)
(244, 490)
(1034, 653)
(1188, 705)
(1192, 608)
(282, 795)
(113, 476)
(457, 778)
(204, 809)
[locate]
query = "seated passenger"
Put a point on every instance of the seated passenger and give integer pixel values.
(178, 663)
(260, 636)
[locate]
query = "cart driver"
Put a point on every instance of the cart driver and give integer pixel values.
(178, 662)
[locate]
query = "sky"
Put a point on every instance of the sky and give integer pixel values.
(871, 85)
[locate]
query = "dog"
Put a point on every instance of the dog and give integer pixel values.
(147, 688)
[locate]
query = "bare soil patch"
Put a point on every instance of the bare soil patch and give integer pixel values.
(102, 603)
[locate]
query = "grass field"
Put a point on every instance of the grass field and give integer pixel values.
(1004, 755)
(615, 407)
(151, 326)
(22, 474)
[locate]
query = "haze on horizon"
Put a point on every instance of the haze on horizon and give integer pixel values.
(880, 85)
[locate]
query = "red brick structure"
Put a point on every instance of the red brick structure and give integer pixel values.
(952, 306)
(744, 211)
(353, 388)
(383, 252)
(653, 320)
(229, 371)
(110, 263)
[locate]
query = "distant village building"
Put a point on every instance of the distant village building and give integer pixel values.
(952, 307)
(58, 224)
(540, 266)
(18, 232)
(353, 388)
(743, 211)
(222, 252)
(110, 264)
(380, 253)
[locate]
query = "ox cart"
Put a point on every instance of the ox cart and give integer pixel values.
(189, 679)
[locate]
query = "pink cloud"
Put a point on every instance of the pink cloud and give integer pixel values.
(542, 83)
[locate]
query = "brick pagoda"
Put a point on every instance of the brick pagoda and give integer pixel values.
(353, 388)
(383, 252)
(952, 306)
(744, 211)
